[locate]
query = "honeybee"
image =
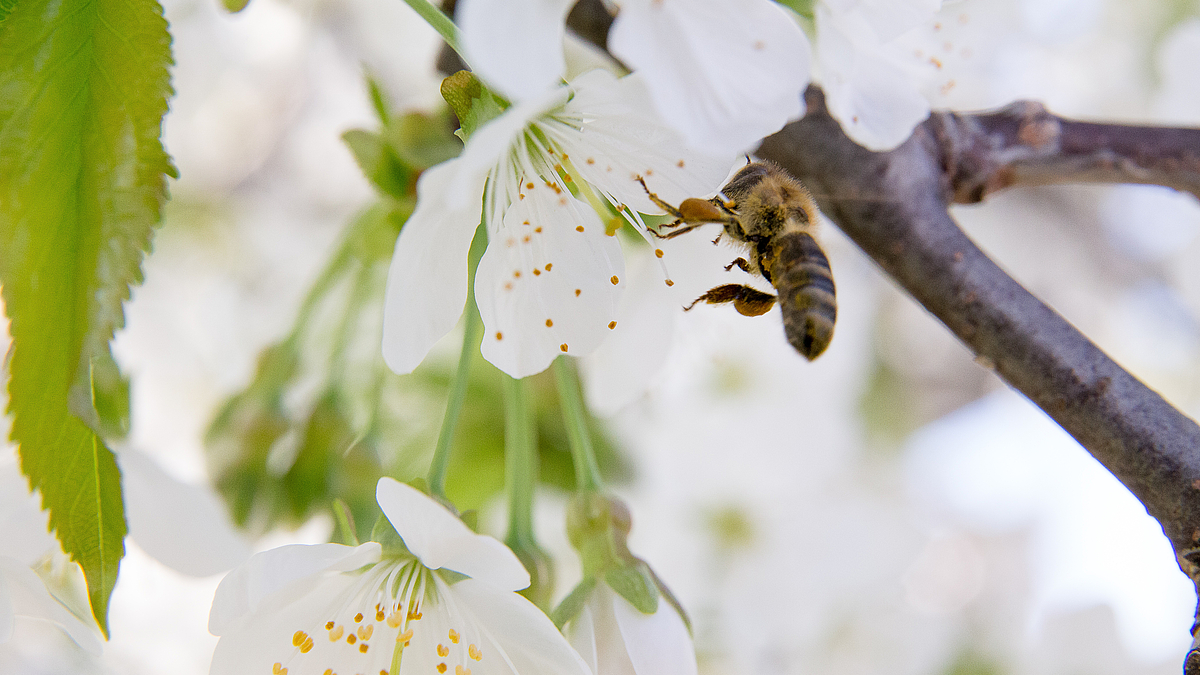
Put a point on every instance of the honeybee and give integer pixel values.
(773, 217)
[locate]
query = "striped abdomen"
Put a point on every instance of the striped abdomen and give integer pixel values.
(804, 282)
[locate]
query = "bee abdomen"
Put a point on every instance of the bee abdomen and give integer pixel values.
(802, 278)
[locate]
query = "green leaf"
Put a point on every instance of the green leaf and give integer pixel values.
(83, 89)
(473, 103)
(635, 583)
(380, 164)
(6, 8)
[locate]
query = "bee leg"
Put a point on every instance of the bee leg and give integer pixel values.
(719, 239)
(746, 300)
(740, 263)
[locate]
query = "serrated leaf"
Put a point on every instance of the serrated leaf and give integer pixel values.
(635, 583)
(83, 89)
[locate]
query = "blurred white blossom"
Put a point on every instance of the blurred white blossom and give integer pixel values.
(552, 274)
(309, 610)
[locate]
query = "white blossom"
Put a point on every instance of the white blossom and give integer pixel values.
(552, 274)
(318, 610)
(614, 638)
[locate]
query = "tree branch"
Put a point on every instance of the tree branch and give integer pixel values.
(1023, 144)
(894, 206)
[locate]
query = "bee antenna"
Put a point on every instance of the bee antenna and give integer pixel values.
(747, 160)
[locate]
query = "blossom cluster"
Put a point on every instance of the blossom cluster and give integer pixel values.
(556, 174)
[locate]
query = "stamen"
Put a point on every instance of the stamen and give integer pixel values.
(577, 292)
(363, 648)
(549, 323)
(441, 668)
(336, 634)
(612, 325)
(443, 651)
(658, 252)
(579, 228)
(474, 652)
(453, 636)
(365, 632)
(298, 638)
(563, 347)
(358, 618)
(351, 639)
(548, 266)
(615, 280)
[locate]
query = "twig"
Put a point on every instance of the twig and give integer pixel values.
(1024, 144)
(894, 206)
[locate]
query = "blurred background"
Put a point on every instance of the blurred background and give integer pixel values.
(892, 507)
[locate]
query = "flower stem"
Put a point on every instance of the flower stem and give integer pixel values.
(440, 22)
(520, 473)
(587, 471)
(458, 387)
(520, 458)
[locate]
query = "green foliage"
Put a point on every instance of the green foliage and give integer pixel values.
(83, 89)
(473, 103)
(234, 6)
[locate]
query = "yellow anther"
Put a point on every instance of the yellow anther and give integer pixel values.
(365, 632)
(358, 618)
(351, 639)
(443, 651)
(328, 671)
(405, 636)
(336, 634)
(474, 652)
(394, 620)
(329, 626)
(306, 646)
(278, 668)
(453, 636)
(379, 615)
(298, 638)
(460, 670)
(441, 667)
(363, 648)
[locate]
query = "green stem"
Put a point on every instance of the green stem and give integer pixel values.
(462, 375)
(440, 22)
(520, 459)
(587, 471)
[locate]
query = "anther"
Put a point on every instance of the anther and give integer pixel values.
(615, 280)
(577, 292)
(307, 645)
(537, 272)
(329, 626)
(658, 252)
(670, 283)
(563, 347)
(612, 325)
(363, 648)
(549, 323)
(351, 639)
(579, 228)
(278, 668)
(499, 335)
(443, 651)
(336, 634)
(365, 632)
(441, 668)
(474, 652)
(298, 638)
(358, 618)
(548, 266)
(453, 634)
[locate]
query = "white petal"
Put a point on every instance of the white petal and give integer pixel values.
(439, 539)
(515, 637)
(182, 526)
(877, 101)
(623, 367)
(515, 45)
(548, 283)
(28, 598)
(658, 643)
(291, 630)
(284, 570)
(597, 637)
(427, 281)
(621, 137)
(888, 18)
(724, 72)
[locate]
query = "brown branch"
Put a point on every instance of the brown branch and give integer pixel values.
(894, 206)
(1023, 144)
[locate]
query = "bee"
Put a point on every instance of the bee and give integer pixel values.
(773, 216)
